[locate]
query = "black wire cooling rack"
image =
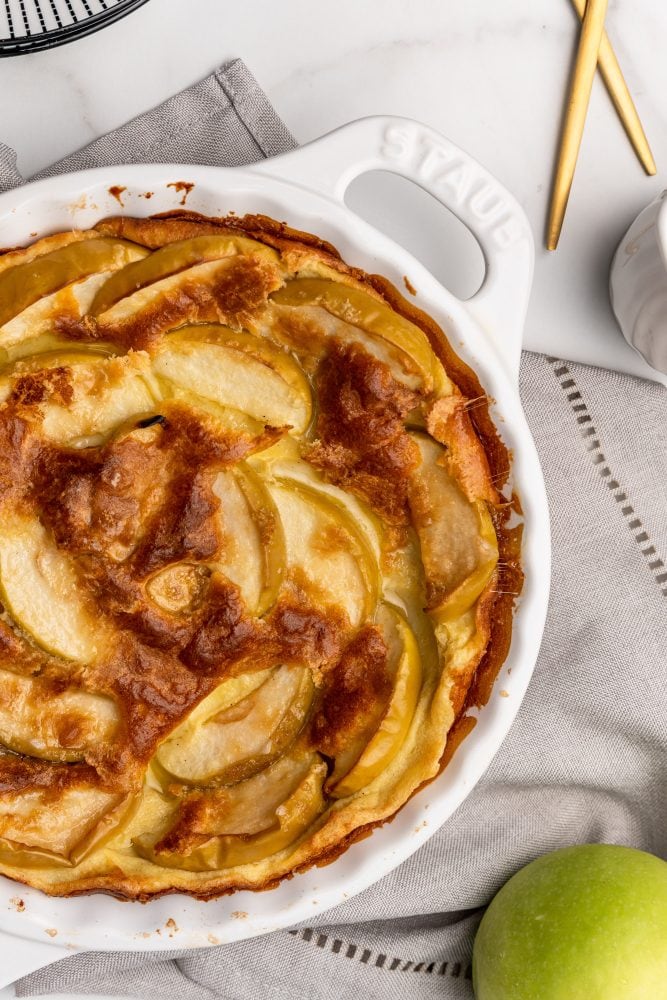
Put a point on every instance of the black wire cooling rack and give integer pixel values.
(30, 25)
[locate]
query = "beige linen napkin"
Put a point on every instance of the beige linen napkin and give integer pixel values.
(585, 759)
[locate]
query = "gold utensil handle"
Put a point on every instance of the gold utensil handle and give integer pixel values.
(620, 96)
(577, 106)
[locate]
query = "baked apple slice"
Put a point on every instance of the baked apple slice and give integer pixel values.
(180, 588)
(327, 554)
(253, 545)
(39, 719)
(363, 311)
(59, 826)
(288, 467)
(239, 371)
(41, 590)
(56, 241)
(27, 368)
(227, 417)
(38, 281)
(171, 260)
(246, 822)
(387, 740)
(458, 542)
(231, 743)
(34, 329)
(83, 395)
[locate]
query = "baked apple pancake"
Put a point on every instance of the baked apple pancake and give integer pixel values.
(256, 564)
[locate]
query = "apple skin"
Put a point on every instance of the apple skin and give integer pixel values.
(582, 923)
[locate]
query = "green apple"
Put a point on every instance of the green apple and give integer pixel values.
(582, 923)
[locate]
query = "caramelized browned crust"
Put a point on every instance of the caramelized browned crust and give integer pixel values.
(362, 444)
(139, 520)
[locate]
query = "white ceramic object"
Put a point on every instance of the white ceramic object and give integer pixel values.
(638, 284)
(306, 188)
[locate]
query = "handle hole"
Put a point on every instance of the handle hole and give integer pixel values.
(417, 221)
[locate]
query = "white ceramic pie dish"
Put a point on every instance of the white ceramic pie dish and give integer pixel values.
(306, 188)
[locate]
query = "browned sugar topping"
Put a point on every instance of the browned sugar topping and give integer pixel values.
(362, 444)
(233, 296)
(356, 689)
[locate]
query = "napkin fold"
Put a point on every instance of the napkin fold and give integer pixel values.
(585, 759)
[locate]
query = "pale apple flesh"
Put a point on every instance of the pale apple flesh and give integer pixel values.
(326, 553)
(193, 295)
(307, 330)
(38, 828)
(38, 719)
(253, 547)
(236, 741)
(248, 821)
(34, 329)
(459, 549)
(368, 736)
(394, 726)
(284, 465)
(101, 393)
(25, 283)
(360, 309)
(56, 241)
(35, 578)
(173, 259)
(237, 371)
(463, 597)
(229, 418)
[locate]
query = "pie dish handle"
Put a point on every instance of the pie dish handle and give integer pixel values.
(20, 957)
(419, 153)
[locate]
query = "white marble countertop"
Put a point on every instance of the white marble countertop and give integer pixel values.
(491, 76)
